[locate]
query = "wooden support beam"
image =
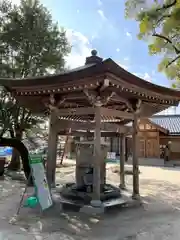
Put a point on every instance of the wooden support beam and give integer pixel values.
(73, 111)
(65, 124)
(116, 113)
(122, 161)
(88, 133)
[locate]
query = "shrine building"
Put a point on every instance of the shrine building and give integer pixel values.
(100, 98)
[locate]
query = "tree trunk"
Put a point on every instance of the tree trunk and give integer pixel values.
(15, 163)
(24, 154)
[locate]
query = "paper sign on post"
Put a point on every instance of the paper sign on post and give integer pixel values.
(111, 155)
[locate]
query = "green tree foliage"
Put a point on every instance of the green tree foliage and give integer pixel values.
(31, 44)
(6, 109)
(16, 122)
(159, 25)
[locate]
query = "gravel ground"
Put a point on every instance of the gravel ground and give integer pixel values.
(158, 218)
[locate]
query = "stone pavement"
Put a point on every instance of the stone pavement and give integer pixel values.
(158, 219)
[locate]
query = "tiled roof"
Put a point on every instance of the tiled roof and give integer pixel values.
(169, 122)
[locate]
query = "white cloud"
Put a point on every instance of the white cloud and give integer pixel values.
(128, 34)
(137, 74)
(126, 59)
(101, 13)
(117, 49)
(147, 77)
(94, 36)
(80, 49)
(144, 76)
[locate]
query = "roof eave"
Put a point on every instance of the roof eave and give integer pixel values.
(113, 67)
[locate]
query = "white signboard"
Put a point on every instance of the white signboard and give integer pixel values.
(40, 180)
(111, 155)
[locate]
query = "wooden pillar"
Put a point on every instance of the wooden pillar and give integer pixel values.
(126, 150)
(52, 150)
(118, 144)
(135, 158)
(111, 144)
(122, 161)
(97, 158)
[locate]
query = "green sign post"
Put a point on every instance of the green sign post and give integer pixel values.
(42, 190)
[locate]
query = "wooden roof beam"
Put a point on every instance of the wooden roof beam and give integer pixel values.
(73, 111)
(65, 124)
(116, 113)
(88, 134)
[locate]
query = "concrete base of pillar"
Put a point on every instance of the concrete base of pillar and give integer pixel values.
(96, 207)
(92, 210)
(53, 185)
(96, 203)
(136, 197)
(122, 186)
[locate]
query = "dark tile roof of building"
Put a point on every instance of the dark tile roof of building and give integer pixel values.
(169, 122)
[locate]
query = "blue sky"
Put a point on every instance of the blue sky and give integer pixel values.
(101, 25)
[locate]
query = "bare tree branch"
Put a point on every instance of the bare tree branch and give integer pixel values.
(168, 40)
(166, 6)
(162, 18)
(171, 62)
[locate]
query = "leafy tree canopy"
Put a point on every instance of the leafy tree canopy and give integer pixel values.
(31, 44)
(159, 25)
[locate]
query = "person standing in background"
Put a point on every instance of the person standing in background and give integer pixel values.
(166, 153)
(126, 150)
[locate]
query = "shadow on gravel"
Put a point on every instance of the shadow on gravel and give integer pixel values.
(160, 201)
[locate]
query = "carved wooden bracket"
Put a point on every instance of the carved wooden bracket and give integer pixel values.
(106, 97)
(125, 101)
(104, 85)
(61, 101)
(52, 99)
(91, 96)
(94, 97)
(136, 105)
(51, 104)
